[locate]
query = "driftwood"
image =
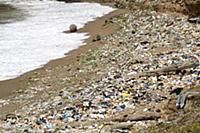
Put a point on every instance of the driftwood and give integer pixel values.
(123, 125)
(114, 126)
(137, 117)
(167, 70)
(128, 121)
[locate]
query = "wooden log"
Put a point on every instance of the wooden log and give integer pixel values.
(123, 125)
(169, 69)
(138, 117)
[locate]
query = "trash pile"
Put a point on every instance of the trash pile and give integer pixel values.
(138, 68)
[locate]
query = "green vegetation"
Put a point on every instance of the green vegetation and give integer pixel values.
(175, 128)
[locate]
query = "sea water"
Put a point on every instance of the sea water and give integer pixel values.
(31, 42)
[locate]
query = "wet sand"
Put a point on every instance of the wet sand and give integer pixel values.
(9, 14)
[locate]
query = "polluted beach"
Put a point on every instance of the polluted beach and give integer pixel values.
(27, 45)
(99, 66)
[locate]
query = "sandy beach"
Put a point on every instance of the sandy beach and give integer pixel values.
(137, 72)
(57, 69)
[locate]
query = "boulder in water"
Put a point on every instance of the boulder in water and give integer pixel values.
(72, 28)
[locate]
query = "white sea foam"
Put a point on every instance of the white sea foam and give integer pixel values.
(29, 44)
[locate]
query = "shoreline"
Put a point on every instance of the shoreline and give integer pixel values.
(31, 59)
(139, 77)
(10, 87)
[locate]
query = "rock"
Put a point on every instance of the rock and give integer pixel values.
(72, 28)
(96, 38)
(177, 91)
(158, 110)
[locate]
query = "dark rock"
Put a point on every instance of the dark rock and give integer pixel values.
(26, 131)
(133, 32)
(144, 42)
(61, 93)
(97, 38)
(158, 110)
(177, 91)
(117, 76)
(60, 103)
